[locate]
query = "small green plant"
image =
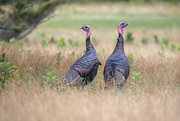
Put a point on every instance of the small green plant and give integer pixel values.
(156, 40)
(12, 40)
(44, 43)
(49, 79)
(131, 59)
(145, 40)
(136, 77)
(7, 72)
(129, 38)
(74, 43)
(20, 43)
(84, 52)
(62, 43)
(165, 41)
(52, 40)
(178, 48)
(161, 53)
(173, 47)
(2, 43)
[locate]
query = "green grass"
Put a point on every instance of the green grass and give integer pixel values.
(157, 21)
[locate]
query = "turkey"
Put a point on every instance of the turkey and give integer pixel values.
(116, 70)
(84, 69)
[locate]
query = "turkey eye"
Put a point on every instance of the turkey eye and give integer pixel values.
(122, 23)
(86, 27)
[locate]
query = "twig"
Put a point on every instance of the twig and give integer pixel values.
(27, 6)
(3, 17)
(27, 27)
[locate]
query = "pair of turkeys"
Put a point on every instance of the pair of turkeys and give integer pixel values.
(84, 70)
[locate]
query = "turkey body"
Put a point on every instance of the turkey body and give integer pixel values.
(84, 69)
(116, 70)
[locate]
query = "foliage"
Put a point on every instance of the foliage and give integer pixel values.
(74, 43)
(12, 40)
(44, 43)
(136, 77)
(165, 41)
(145, 40)
(62, 43)
(49, 79)
(7, 72)
(2, 43)
(20, 43)
(156, 40)
(129, 38)
(131, 59)
(178, 48)
(173, 47)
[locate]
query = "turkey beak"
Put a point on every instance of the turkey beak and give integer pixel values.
(81, 28)
(127, 24)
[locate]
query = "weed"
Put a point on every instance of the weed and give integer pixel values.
(12, 41)
(136, 77)
(7, 72)
(156, 40)
(74, 43)
(129, 38)
(20, 43)
(173, 47)
(178, 48)
(2, 43)
(145, 40)
(62, 43)
(131, 59)
(44, 43)
(49, 79)
(165, 41)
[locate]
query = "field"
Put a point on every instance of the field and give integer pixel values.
(154, 97)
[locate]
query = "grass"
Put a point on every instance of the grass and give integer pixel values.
(155, 96)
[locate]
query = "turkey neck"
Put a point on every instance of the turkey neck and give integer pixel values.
(120, 44)
(89, 46)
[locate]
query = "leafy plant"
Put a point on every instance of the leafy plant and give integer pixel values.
(178, 48)
(129, 38)
(173, 46)
(12, 40)
(62, 43)
(136, 77)
(131, 59)
(84, 52)
(6, 72)
(156, 40)
(20, 43)
(44, 43)
(165, 41)
(145, 40)
(52, 40)
(74, 43)
(49, 79)
(2, 43)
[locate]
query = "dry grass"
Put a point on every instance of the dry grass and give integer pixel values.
(155, 98)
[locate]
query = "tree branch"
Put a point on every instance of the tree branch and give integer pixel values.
(27, 6)
(3, 17)
(27, 27)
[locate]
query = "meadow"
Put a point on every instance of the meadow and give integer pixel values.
(41, 60)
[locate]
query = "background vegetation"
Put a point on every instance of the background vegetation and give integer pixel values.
(32, 67)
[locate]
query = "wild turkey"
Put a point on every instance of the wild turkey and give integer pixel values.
(84, 69)
(116, 70)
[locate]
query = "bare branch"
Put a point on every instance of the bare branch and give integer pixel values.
(27, 6)
(27, 27)
(3, 17)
